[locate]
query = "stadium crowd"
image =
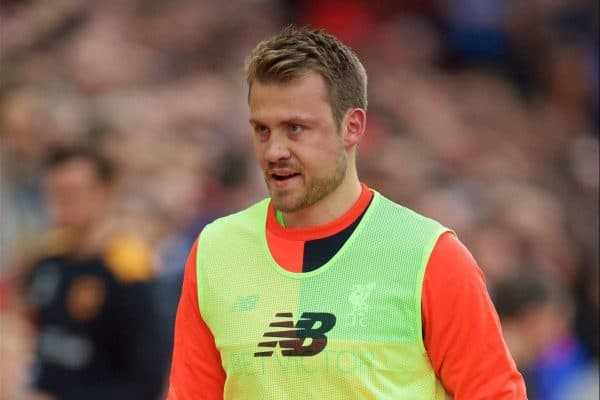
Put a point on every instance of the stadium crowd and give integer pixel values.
(483, 114)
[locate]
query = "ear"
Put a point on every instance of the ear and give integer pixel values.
(355, 124)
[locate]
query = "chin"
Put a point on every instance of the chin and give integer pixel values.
(286, 205)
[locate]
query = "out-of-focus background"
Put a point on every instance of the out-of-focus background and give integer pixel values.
(482, 114)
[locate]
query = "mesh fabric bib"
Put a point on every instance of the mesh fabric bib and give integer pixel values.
(349, 330)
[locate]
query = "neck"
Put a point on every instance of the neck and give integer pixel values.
(329, 208)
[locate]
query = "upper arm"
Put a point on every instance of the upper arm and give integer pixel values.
(196, 371)
(462, 331)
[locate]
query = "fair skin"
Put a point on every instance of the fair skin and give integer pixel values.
(77, 200)
(76, 195)
(309, 164)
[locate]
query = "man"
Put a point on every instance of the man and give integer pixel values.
(536, 320)
(91, 293)
(327, 290)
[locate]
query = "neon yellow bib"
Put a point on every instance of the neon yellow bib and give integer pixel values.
(348, 330)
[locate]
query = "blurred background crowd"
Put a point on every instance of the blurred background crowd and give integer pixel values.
(482, 114)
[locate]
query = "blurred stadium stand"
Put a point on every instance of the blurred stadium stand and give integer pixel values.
(482, 114)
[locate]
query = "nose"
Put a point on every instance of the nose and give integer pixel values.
(276, 149)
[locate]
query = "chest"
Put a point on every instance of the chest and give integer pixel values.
(70, 294)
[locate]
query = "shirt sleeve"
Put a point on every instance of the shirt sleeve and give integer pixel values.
(196, 370)
(462, 331)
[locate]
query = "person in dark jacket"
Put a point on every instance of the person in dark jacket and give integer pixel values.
(91, 293)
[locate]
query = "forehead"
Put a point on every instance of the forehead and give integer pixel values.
(74, 171)
(305, 94)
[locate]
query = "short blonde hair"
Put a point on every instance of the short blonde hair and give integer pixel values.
(294, 52)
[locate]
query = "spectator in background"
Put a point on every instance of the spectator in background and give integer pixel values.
(507, 137)
(90, 292)
(536, 319)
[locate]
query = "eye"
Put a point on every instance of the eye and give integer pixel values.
(295, 128)
(261, 130)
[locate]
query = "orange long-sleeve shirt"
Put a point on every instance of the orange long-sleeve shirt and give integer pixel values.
(461, 328)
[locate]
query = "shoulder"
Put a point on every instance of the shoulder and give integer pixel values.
(240, 220)
(452, 266)
(49, 253)
(392, 213)
(129, 258)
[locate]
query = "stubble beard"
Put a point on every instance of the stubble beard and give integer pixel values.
(316, 188)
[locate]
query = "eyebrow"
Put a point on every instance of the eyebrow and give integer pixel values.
(294, 119)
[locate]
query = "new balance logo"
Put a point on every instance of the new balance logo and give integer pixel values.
(296, 335)
(246, 303)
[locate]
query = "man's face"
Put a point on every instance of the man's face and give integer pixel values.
(296, 141)
(76, 195)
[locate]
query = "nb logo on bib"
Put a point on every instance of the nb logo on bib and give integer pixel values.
(311, 325)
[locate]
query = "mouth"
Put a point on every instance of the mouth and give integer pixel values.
(284, 177)
(280, 179)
